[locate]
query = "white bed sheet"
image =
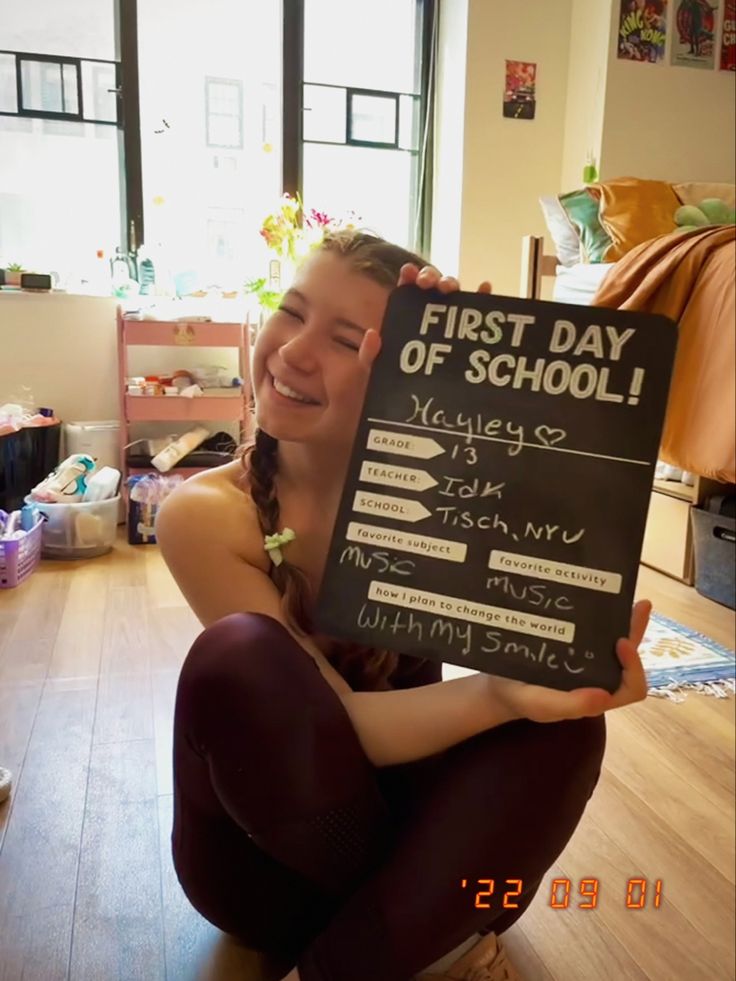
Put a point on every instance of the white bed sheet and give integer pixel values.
(579, 283)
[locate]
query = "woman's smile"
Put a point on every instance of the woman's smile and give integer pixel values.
(286, 395)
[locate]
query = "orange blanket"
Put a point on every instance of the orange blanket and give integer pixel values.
(689, 277)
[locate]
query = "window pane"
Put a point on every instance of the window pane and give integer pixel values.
(373, 119)
(69, 87)
(377, 184)
(99, 103)
(324, 114)
(355, 43)
(409, 122)
(41, 85)
(59, 195)
(59, 180)
(8, 85)
(204, 205)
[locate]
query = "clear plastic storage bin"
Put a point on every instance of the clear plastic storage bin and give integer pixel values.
(78, 530)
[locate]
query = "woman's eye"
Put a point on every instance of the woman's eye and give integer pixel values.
(291, 313)
(348, 344)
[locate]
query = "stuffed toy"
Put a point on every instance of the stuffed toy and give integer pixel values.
(712, 211)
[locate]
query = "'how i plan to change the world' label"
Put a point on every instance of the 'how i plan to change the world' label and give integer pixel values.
(494, 508)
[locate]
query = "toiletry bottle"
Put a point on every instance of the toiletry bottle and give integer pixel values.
(146, 272)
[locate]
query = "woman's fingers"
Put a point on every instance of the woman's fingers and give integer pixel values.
(369, 349)
(408, 274)
(639, 621)
(448, 284)
(429, 277)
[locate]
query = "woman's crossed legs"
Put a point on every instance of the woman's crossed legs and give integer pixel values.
(287, 836)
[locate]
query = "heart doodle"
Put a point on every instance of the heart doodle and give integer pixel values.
(548, 436)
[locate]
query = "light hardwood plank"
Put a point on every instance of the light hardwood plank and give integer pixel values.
(118, 916)
(40, 853)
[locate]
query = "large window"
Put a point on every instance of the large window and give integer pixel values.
(364, 111)
(60, 145)
(178, 126)
(210, 91)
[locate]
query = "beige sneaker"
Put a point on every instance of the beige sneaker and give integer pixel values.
(486, 961)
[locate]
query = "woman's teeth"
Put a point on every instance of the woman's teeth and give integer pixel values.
(290, 393)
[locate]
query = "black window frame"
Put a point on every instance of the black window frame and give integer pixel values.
(61, 60)
(394, 97)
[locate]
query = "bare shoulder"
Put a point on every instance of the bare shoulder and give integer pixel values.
(215, 504)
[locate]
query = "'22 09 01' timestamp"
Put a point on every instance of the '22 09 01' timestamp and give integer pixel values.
(638, 894)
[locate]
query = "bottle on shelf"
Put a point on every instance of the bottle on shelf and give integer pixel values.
(590, 170)
(146, 272)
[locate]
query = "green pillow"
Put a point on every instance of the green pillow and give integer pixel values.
(582, 210)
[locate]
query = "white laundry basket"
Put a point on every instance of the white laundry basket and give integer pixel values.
(78, 530)
(99, 439)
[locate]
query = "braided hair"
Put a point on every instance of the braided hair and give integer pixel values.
(364, 668)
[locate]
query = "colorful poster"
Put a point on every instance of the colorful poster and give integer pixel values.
(694, 33)
(519, 97)
(642, 30)
(728, 38)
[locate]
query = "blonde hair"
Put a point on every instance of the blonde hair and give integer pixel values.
(363, 667)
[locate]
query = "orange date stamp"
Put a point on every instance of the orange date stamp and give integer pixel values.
(638, 893)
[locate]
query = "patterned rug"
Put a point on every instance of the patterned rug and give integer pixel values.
(676, 658)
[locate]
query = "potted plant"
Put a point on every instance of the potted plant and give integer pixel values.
(13, 273)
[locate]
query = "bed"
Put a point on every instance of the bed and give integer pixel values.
(689, 277)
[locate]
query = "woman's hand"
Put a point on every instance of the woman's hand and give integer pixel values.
(428, 277)
(524, 701)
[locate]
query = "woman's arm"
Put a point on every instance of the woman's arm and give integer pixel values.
(392, 726)
(401, 726)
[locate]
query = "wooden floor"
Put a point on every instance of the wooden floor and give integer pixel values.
(89, 656)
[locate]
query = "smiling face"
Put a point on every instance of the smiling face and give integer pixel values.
(307, 379)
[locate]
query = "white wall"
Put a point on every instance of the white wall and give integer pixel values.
(590, 27)
(507, 164)
(666, 122)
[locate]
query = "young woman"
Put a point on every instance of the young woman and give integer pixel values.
(331, 800)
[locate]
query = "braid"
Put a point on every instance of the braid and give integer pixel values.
(260, 461)
(363, 667)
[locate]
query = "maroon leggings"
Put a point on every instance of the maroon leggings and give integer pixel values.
(286, 836)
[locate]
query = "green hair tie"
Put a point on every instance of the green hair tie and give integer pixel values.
(273, 543)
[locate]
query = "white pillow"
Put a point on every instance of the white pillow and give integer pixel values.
(564, 234)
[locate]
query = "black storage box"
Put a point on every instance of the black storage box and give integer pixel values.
(26, 457)
(714, 538)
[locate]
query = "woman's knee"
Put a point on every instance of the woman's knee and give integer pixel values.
(249, 645)
(574, 751)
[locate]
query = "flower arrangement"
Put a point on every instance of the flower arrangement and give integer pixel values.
(292, 232)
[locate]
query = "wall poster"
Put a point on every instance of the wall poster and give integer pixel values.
(694, 33)
(728, 37)
(642, 30)
(520, 96)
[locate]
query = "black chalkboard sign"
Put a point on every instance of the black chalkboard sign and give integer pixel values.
(495, 502)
